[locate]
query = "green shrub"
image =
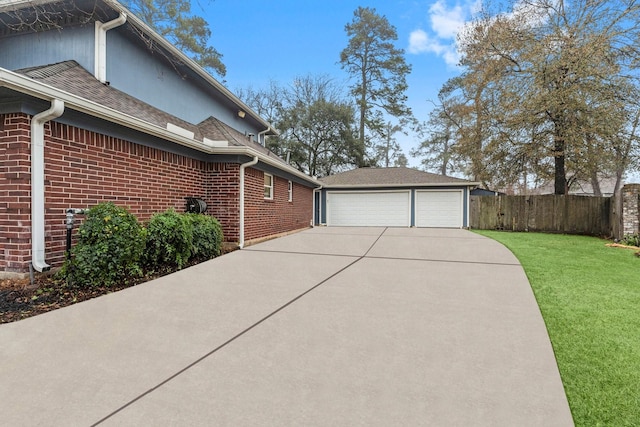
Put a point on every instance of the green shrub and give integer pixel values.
(207, 236)
(169, 240)
(110, 244)
(631, 240)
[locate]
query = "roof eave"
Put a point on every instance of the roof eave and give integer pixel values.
(12, 5)
(132, 19)
(28, 86)
(194, 66)
(434, 184)
(248, 151)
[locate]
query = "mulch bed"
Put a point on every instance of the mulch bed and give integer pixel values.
(19, 300)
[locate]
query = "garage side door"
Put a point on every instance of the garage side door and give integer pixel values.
(439, 209)
(369, 208)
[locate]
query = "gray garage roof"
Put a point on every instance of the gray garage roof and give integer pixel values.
(391, 177)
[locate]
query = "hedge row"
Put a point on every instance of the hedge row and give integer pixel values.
(113, 247)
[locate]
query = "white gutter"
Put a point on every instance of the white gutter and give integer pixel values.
(28, 86)
(268, 129)
(100, 54)
(37, 183)
(242, 168)
(10, 5)
(425, 185)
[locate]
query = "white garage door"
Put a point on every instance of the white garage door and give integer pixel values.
(439, 209)
(369, 208)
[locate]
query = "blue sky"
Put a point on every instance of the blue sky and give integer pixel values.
(280, 40)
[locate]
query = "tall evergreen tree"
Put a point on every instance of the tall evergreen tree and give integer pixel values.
(190, 33)
(379, 71)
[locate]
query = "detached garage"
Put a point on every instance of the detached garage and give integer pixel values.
(392, 197)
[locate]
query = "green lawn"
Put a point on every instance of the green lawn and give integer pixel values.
(589, 296)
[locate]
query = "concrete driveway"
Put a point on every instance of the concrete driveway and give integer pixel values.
(327, 327)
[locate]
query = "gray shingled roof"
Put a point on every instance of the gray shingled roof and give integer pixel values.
(55, 14)
(71, 77)
(385, 177)
(216, 130)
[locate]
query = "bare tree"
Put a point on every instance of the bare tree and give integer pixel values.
(437, 149)
(548, 84)
(316, 124)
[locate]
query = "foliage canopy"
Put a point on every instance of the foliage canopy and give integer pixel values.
(379, 72)
(548, 89)
(190, 33)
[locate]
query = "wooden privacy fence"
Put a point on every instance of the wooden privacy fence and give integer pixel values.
(548, 213)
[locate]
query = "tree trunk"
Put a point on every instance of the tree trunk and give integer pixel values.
(560, 182)
(363, 147)
(619, 174)
(476, 161)
(388, 146)
(595, 184)
(445, 157)
(363, 115)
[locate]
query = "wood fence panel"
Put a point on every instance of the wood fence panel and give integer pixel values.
(546, 213)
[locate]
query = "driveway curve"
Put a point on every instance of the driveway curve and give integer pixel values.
(326, 327)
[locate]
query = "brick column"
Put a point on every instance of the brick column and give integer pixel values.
(630, 209)
(15, 193)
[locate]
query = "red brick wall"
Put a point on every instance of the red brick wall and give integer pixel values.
(267, 217)
(83, 168)
(15, 193)
(223, 197)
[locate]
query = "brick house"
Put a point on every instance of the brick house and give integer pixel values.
(95, 106)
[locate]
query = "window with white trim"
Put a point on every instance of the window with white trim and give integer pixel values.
(290, 191)
(268, 186)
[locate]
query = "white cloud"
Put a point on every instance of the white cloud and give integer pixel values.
(445, 22)
(420, 42)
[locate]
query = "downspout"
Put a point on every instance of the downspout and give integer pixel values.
(468, 194)
(242, 168)
(100, 55)
(37, 183)
(319, 206)
(264, 132)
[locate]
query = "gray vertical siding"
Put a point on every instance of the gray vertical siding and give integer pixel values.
(49, 47)
(131, 68)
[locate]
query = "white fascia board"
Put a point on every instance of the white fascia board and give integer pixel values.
(215, 144)
(46, 92)
(180, 131)
(39, 90)
(425, 185)
(248, 151)
(10, 5)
